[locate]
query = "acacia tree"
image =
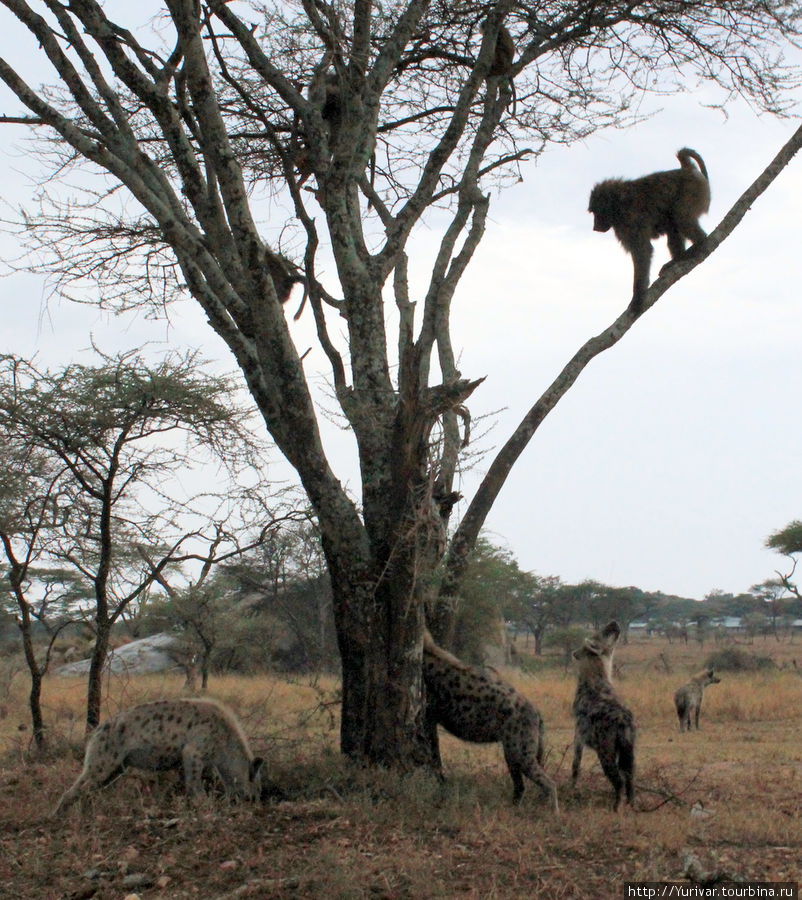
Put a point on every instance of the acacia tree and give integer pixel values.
(90, 451)
(788, 541)
(360, 118)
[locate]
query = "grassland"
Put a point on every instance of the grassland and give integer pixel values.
(335, 831)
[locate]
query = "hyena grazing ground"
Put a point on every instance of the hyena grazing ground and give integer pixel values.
(603, 723)
(476, 704)
(196, 735)
(688, 698)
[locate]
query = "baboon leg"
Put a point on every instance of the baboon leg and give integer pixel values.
(676, 243)
(641, 251)
(609, 764)
(577, 761)
(692, 230)
(676, 235)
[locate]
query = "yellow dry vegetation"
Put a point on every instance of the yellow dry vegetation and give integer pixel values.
(335, 830)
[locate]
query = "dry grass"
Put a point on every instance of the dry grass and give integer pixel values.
(340, 832)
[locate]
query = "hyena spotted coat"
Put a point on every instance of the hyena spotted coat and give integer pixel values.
(196, 735)
(688, 698)
(603, 723)
(476, 704)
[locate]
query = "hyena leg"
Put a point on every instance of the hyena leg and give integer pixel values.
(192, 763)
(696, 715)
(609, 764)
(537, 775)
(87, 782)
(516, 773)
(433, 742)
(626, 765)
(577, 760)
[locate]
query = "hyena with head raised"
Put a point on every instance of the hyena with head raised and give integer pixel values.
(603, 723)
(476, 704)
(688, 698)
(197, 735)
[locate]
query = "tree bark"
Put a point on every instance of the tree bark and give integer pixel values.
(94, 688)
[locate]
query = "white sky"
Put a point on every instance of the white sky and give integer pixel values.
(676, 453)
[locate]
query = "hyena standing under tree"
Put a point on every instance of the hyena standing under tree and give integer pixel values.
(198, 735)
(688, 698)
(603, 723)
(476, 704)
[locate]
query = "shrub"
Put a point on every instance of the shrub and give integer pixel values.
(733, 659)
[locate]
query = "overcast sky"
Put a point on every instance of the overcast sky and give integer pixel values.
(676, 453)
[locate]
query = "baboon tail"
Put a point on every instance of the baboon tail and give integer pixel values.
(686, 155)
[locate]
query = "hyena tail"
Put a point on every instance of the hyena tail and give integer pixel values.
(541, 741)
(682, 708)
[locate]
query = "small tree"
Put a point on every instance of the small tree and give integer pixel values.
(86, 485)
(788, 541)
(538, 603)
(567, 639)
(772, 594)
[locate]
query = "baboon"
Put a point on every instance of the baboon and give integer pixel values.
(196, 735)
(668, 203)
(324, 92)
(476, 704)
(603, 723)
(285, 275)
(501, 64)
(503, 53)
(688, 698)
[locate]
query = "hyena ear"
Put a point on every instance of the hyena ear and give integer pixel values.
(256, 768)
(611, 632)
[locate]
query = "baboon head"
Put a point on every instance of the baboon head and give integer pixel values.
(604, 204)
(595, 656)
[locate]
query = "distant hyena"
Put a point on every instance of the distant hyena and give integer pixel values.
(194, 734)
(688, 698)
(603, 723)
(476, 704)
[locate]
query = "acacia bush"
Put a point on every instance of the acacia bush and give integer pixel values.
(733, 659)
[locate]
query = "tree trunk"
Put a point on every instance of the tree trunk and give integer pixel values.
(35, 695)
(94, 689)
(380, 637)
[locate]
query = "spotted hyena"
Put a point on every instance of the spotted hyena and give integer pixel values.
(197, 735)
(603, 723)
(688, 699)
(476, 704)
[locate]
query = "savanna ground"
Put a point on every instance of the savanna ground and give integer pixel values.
(332, 831)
